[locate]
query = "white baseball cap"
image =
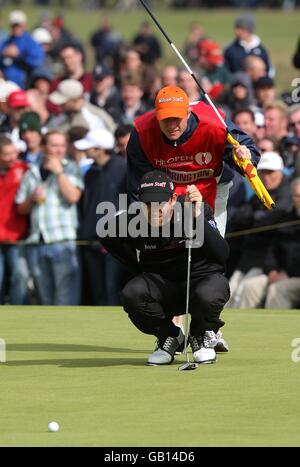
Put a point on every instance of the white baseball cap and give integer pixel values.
(270, 160)
(6, 88)
(42, 36)
(66, 90)
(98, 138)
(17, 17)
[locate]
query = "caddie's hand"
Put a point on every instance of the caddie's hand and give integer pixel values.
(193, 195)
(242, 152)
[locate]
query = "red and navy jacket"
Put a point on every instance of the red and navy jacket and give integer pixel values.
(196, 158)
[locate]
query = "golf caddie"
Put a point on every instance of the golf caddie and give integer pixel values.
(188, 142)
(157, 292)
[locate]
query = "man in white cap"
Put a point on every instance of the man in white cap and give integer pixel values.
(19, 53)
(43, 37)
(69, 95)
(104, 181)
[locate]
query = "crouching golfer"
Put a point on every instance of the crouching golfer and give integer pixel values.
(157, 292)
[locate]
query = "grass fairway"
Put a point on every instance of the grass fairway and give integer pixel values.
(85, 368)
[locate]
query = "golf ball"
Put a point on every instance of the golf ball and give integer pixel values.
(53, 426)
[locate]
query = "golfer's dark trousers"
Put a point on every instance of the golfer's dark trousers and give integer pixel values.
(151, 302)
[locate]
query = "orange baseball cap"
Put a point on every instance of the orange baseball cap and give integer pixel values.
(171, 101)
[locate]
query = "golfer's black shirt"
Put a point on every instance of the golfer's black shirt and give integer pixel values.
(167, 256)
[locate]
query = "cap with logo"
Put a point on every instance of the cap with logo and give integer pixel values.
(30, 121)
(67, 90)
(98, 138)
(171, 102)
(18, 99)
(156, 187)
(270, 160)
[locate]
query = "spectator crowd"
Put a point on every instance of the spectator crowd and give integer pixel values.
(63, 136)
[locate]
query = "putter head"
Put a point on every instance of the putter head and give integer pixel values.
(188, 366)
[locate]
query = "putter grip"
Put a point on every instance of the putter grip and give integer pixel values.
(189, 220)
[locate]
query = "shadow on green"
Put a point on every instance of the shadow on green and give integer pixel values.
(73, 363)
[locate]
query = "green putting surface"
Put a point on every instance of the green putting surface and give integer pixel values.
(85, 368)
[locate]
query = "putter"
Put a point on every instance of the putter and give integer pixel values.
(188, 365)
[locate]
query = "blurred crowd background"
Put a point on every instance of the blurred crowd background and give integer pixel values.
(126, 4)
(67, 108)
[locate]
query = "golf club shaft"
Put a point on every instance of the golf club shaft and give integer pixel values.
(189, 215)
(188, 283)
